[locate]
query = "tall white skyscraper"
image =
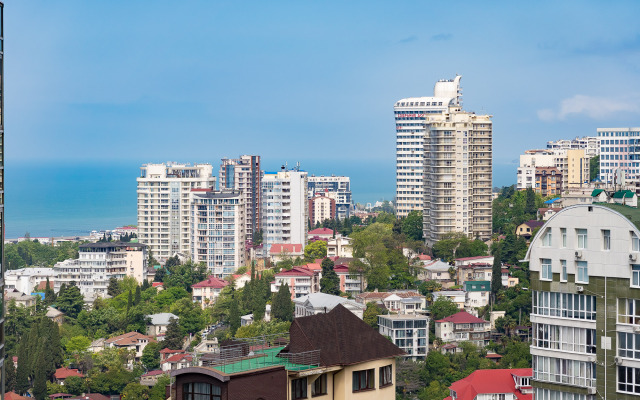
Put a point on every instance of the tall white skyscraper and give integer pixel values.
(457, 175)
(217, 230)
(163, 205)
(284, 207)
(411, 115)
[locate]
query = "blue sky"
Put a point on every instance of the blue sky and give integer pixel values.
(300, 80)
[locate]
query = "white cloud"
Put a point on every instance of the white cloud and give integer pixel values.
(590, 107)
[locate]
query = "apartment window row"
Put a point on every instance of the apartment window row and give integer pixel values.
(582, 270)
(365, 379)
(565, 305)
(582, 239)
(546, 394)
(558, 370)
(564, 338)
(628, 380)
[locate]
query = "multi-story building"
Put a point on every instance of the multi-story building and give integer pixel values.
(25, 279)
(206, 292)
(218, 230)
(590, 144)
(316, 303)
(572, 165)
(463, 327)
(340, 247)
(548, 181)
(97, 262)
(244, 174)
(407, 331)
(285, 210)
(163, 205)
(301, 281)
(457, 174)
(619, 155)
(337, 188)
(585, 281)
(350, 282)
(321, 208)
(410, 116)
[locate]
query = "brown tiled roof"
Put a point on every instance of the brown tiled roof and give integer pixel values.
(129, 339)
(64, 373)
(334, 335)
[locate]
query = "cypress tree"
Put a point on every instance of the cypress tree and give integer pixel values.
(138, 297)
(259, 308)
(282, 306)
(113, 289)
(10, 375)
(49, 294)
(330, 282)
(40, 383)
(173, 338)
(496, 275)
(234, 316)
(22, 372)
(129, 301)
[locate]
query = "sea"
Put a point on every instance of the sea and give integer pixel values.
(63, 198)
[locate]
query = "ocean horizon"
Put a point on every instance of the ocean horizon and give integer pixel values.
(57, 198)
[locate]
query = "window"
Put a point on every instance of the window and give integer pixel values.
(565, 305)
(606, 239)
(563, 274)
(629, 345)
(546, 239)
(583, 272)
(559, 370)
(628, 379)
(546, 269)
(629, 311)
(319, 386)
(363, 380)
(563, 233)
(385, 376)
(582, 238)
(299, 388)
(635, 242)
(635, 275)
(201, 391)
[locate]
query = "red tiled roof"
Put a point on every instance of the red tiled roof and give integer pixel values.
(129, 339)
(14, 396)
(424, 257)
(314, 267)
(153, 373)
(534, 223)
(211, 282)
(179, 357)
(278, 248)
(476, 265)
(490, 381)
(463, 317)
(156, 284)
(295, 271)
(341, 268)
(169, 351)
(64, 373)
(43, 285)
(59, 395)
(321, 231)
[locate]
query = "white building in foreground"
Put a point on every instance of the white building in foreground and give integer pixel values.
(407, 331)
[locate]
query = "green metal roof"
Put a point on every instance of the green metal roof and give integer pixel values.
(264, 358)
(622, 194)
(477, 286)
(596, 192)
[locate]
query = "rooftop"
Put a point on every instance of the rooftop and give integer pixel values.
(631, 213)
(491, 381)
(212, 282)
(215, 194)
(463, 317)
(105, 245)
(161, 318)
(321, 231)
(277, 248)
(403, 316)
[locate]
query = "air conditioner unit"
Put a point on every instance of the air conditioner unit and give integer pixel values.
(591, 390)
(636, 328)
(617, 361)
(633, 257)
(580, 289)
(578, 254)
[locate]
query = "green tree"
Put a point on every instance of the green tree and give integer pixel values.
(138, 296)
(75, 385)
(158, 390)
(496, 275)
(234, 316)
(412, 225)
(530, 202)
(173, 338)
(281, 306)
(442, 308)
(371, 315)
(135, 391)
(10, 375)
(315, 250)
(49, 294)
(70, 301)
(435, 391)
(456, 245)
(23, 370)
(40, 382)
(77, 345)
(151, 356)
(594, 167)
(330, 282)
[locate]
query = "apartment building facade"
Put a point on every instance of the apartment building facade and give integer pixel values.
(619, 155)
(337, 188)
(244, 174)
(321, 208)
(218, 230)
(590, 145)
(536, 167)
(285, 211)
(463, 327)
(407, 331)
(585, 281)
(163, 205)
(457, 175)
(410, 116)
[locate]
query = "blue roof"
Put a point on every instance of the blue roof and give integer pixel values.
(552, 200)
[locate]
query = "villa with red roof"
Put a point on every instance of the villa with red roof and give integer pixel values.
(206, 292)
(349, 282)
(63, 373)
(280, 251)
(320, 234)
(506, 384)
(239, 280)
(301, 280)
(463, 327)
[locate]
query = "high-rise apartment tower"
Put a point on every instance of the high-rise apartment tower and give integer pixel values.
(163, 205)
(457, 174)
(411, 115)
(244, 174)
